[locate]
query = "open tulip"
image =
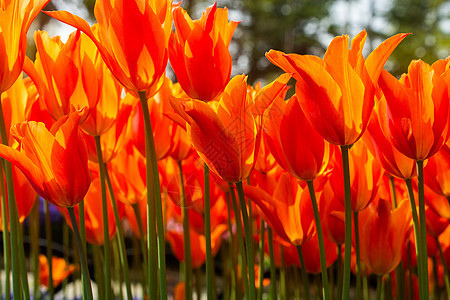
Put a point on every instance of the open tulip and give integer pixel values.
(60, 270)
(418, 107)
(15, 20)
(132, 37)
(199, 51)
(227, 137)
(337, 92)
(55, 162)
(437, 172)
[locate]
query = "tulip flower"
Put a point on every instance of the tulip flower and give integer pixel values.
(383, 233)
(60, 270)
(15, 20)
(337, 92)
(49, 159)
(199, 51)
(437, 172)
(132, 38)
(227, 137)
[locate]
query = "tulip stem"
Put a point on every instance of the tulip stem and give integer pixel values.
(358, 256)
(392, 189)
(106, 247)
(137, 214)
(6, 238)
(444, 264)
(304, 275)
(234, 285)
(119, 230)
(248, 241)
(323, 260)
(423, 229)
(186, 239)
(415, 218)
(154, 207)
(348, 223)
(13, 214)
(240, 241)
(82, 255)
(273, 278)
(207, 214)
(48, 235)
(380, 286)
(34, 241)
(261, 258)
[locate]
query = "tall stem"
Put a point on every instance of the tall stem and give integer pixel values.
(120, 236)
(348, 223)
(207, 214)
(248, 241)
(423, 229)
(273, 278)
(415, 218)
(13, 215)
(444, 264)
(380, 286)
(6, 237)
(48, 236)
(323, 261)
(240, 241)
(261, 258)
(137, 214)
(106, 247)
(186, 239)
(82, 254)
(304, 275)
(358, 257)
(154, 207)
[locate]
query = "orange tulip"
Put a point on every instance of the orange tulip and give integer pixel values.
(288, 212)
(417, 114)
(132, 37)
(336, 93)
(383, 233)
(15, 20)
(437, 172)
(310, 252)
(198, 246)
(199, 51)
(60, 270)
(392, 160)
(55, 162)
(365, 175)
(303, 152)
(227, 136)
(332, 215)
(93, 214)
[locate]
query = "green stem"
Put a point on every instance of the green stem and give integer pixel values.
(399, 279)
(154, 207)
(283, 292)
(323, 261)
(106, 247)
(6, 236)
(186, 239)
(99, 271)
(119, 267)
(340, 274)
(137, 214)
(233, 259)
(273, 278)
(304, 275)
(348, 224)
(82, 254)
(261, 258)
(248, 241)
(13, 214)
(198, 282)
(34, 237)
(366, 288)
(392, 189)
(444, 264)
(379, 286)
(415, 218)
(207, 214)
(82, 220)
(436, 291)
(48, 235)
(423, 229)
(240, 241)
(120, 236)
(66, 247)
(358, 256)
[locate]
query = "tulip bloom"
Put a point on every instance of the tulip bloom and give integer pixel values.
(227, 137)
(392, 160)
(336, 93)
(15, 20)
(132, 37)
(437, 172)
(199, 51)
(302, 152)
(55, 162)
(60, 270)
(383, 233)
(417, 113)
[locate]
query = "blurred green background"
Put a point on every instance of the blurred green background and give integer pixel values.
(306, 27)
